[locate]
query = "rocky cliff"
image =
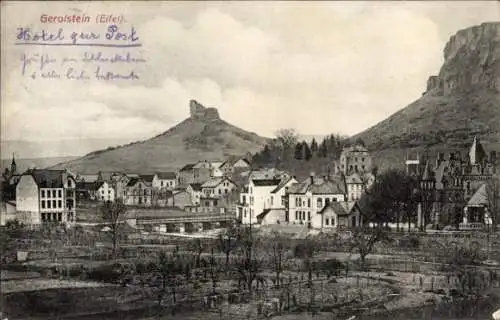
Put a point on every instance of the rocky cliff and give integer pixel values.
(460, 102)
(471, 62)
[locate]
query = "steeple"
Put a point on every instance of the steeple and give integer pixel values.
(476, 153)
(13, 166)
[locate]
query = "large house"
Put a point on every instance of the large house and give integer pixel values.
(105, 191)
(167, 180)
(46, 196)
(263, 201)
(308, 198)
(338, 215)
(448, 187)
(354, 159)
(217, 187)
(138, 193)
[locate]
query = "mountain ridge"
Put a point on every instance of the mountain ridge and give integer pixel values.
(460, 102)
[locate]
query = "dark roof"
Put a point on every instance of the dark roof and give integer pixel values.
(86, 185)
(188, 167)
(282, 184)
(147, 177)
(319, 186)
(266, 182)
(196, 186)
(132, 182)
(337, 208)
(166, 175)
(263, 214)
(46, 178)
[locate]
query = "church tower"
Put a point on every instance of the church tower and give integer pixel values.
(13, 166)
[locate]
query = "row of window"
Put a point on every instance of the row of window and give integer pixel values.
(51, 204)
(301, 215)
(47, 193)
(328, 221)
(299, 202)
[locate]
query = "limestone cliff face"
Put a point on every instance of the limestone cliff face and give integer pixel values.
(200, 112)
(471, 62)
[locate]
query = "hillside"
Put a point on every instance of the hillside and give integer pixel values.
(202, 136)
(24, 164)
(462, 101)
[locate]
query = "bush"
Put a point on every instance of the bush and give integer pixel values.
(105, 273)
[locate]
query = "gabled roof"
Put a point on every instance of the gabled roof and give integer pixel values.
(266, 182)
(46, 178)
(215, 181)
(188, 167)
(147, 177)
(318, 186)
(132, 182)
(480, 197)
(166, 175)
(354, 178)
(282, 183)
(343, 208)
(196, 186)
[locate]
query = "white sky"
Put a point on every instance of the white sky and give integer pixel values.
(317, 67)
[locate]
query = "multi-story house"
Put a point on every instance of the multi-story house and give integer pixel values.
(263, 201)
(167, 180)
(105, 191)
(447, 187)
(357, 183)
(139, 193)
(217, 187)
(186, 175)
(354, 159)
(306, 199)
(46, 196)
(231, 166)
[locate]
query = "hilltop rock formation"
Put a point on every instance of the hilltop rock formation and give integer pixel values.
(202, 136)
(460, 102)
(200, 112)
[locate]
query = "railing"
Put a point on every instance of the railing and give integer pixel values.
(190, 218)
(471, 226)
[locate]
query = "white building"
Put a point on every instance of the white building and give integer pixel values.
(105, 191)
(194, 189)
(337, 215)
(217, 187)
(306, 199)
(357, 184)
(166, 180)
(46, 196)
(262, 201)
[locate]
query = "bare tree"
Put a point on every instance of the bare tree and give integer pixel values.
(248, 263)
(198, 247)
(364, 239)
(113, 213)
(278, 249)
(287, 138)
(168, 268)
(228, 241)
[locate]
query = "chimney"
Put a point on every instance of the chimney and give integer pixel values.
(312, 177)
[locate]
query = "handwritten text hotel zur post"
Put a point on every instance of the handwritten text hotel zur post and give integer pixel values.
(107, 54)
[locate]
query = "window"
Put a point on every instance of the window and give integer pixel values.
(48, 204)
(297, 202)
(59, 216)
(272, 200)
(59, 203)
(43, 204)
(363, 159)
(215, 203)
(308, 203)
(319, 203)
(309, 215)
(59, 193)
(220, 191)
(327, 221)
(296, 215)
(43, 193)
(54, 204)
(161, 183)
(53, 193)
(327, 201)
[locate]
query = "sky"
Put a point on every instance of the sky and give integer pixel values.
(317, 67)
